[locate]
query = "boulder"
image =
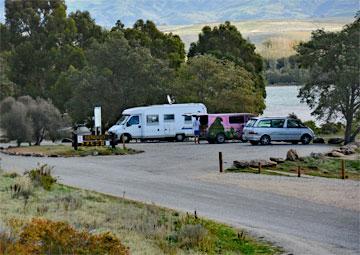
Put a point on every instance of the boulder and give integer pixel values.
(347, 150)
(335, 154)
(277, 160)
(335, 140)
(319, 140)
(292, 155)
(316, 155)
(241, 164)
(264, 163)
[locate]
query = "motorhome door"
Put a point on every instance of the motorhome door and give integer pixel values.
(133, 126)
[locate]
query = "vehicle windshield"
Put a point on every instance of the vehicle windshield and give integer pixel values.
(250, 123)
(122, 120)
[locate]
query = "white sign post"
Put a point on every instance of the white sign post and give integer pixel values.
(97, 119)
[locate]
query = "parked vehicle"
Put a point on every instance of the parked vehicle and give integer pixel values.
(264, 130)
(223, 126)
(163, 122)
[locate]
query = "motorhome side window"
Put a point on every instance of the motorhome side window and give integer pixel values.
(188, 119)
(152, 119)
(236, 119)
(169, 117)
(134, 120)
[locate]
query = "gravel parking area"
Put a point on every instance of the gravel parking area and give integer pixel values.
(306, 215)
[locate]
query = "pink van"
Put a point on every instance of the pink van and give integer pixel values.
(217, 128)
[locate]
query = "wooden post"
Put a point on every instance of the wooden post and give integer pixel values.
(259, 167)
(220, 162)
(75, 141)
(343, 169)
(299, 171)
(123, 142)
(113, 142)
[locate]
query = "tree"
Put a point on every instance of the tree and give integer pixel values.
(220, 84)
(117, 76)
(333, 89)
(15, 121)
(226, 42)
(43, 44)
(161, 45)
(29, 120)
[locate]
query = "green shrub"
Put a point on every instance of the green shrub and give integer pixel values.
(41, 176)
(331, 128)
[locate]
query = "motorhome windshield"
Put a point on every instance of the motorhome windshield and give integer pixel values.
(122, 120)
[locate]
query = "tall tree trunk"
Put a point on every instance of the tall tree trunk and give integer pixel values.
(356, 132)
(348, 128)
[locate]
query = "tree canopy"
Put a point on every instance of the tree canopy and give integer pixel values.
(220, 84)
(226, 42)
(333, 60)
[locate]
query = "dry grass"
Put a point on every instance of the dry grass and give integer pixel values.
(146, 229)
(68, 151)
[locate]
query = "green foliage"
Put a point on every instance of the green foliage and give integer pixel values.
(118, 76)
(333, 89)
(27, 120)
(15, 121)
(331, 128)
(41, 176)
(163, 46)
(220, 84)
(226, 42)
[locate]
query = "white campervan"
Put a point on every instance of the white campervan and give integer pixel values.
(169, 121)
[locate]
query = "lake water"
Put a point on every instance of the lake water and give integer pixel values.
(282, 100)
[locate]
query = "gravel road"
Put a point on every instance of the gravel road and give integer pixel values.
(305, 216)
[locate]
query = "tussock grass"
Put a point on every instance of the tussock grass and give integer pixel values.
(145, 228)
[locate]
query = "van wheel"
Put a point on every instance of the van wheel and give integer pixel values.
(265, 140)
(305, 139)
(127, 138)
(179, 137)
(220, 138)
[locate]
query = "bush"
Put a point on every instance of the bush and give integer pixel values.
(42, 236)
(29, 120)
(331, 128)
(311, 124)
(42, 176)
(15, 121)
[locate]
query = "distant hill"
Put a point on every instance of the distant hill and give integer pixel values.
(283, 35)
(185, 12)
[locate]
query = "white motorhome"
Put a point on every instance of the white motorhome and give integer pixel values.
(169, 121)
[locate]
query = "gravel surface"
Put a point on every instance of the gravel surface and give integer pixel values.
(306, 215)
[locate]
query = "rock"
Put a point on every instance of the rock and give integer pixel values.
(319, 140)
(335, 141)
(264, 163)
(335, 154)
(53, 156)
(95, 153)
(316, 155)
(37, 155)
(277, 160)
(241, 164)
(347, 150)
(292, 155)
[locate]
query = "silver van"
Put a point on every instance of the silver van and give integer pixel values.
(264, 130)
